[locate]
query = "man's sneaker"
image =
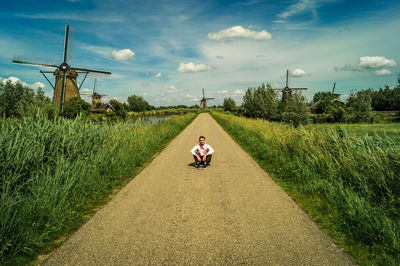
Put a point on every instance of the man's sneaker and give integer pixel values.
(202, 167)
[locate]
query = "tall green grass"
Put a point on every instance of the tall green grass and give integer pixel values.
(53, 172)
(349, 183)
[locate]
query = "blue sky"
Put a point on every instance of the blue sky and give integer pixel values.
(167, 51)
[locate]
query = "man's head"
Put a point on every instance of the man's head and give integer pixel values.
(202, 140)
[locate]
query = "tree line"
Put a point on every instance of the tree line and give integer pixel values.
(18, 100)
(264, 102)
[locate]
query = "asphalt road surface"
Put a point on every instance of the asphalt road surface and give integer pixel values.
(171, 213)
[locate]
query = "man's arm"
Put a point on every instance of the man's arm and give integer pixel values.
(210, 150)
(193, 151)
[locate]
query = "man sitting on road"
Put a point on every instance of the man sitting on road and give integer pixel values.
(202, 153)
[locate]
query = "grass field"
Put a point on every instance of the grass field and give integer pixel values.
(55, 173)
(391, 130)
(346, 177)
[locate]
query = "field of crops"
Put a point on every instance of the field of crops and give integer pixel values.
(54, 173)
(347, 177)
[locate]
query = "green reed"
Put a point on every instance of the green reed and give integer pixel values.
(346, 181)
(54, 172)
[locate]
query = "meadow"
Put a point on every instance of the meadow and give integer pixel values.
(346, 177)
(55, 173)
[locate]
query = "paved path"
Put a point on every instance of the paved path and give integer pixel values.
(171, 213)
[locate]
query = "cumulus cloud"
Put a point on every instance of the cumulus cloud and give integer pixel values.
(191, 67)
(299, 73)
(238, 93)
(222, 92)
(378, 64)
(123, 55)
(239, 32)
(158, 75)
(172, 89)
(189, 96)
(37, 85)
(383, 71)
(14, 80)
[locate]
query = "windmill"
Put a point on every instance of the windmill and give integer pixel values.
(203, 101)
(96, 97)
(335, 94)
(287, 92)
(65, 86)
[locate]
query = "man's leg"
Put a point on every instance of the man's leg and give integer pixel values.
(208, 159)
(196, 160)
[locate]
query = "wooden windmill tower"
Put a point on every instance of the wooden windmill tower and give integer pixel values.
(65, 86)
(96, 97)
(287, 92)
(203, 101)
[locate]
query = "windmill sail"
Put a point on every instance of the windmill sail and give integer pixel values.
(66, 85)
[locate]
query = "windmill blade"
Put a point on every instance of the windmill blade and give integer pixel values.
(66, 44)
(209, 98)
(299, 89)
(333, 90)
(17, 61)
(91, 70)
(70, 44)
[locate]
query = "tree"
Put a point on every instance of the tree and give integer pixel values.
(119, 108)
(359, 106)
(294, 111)
(17, 100)
(138, 103)
(75, 106)
(323, 100)
(229, 104)
(261, 102)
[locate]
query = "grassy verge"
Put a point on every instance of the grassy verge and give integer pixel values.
(349, 183)
(53, 173)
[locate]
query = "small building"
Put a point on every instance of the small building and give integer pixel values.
(104, 108)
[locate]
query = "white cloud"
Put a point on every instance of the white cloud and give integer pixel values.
(189, 96)
(37, 85)
(158, 75)
(239, 32)
(14, 80)
(238, 93)
(123, 55)
(85, 91)
(222, 92)
(191, 67)
(376, 62)
(301, 6)
(172, 89)
(383, 71)
(369, 63)
(299, 73)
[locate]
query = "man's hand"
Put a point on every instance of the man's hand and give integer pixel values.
(204, 157)
(198, 158)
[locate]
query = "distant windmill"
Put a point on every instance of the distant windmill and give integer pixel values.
(287, 92)
(96, 97)
(65, 86)
(335, 94)
(203, 101)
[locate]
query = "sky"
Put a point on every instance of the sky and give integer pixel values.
(167, 51)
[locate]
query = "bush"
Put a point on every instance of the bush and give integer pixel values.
(17, 100)
(294, 110)
(229, 104)
(74, 106)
